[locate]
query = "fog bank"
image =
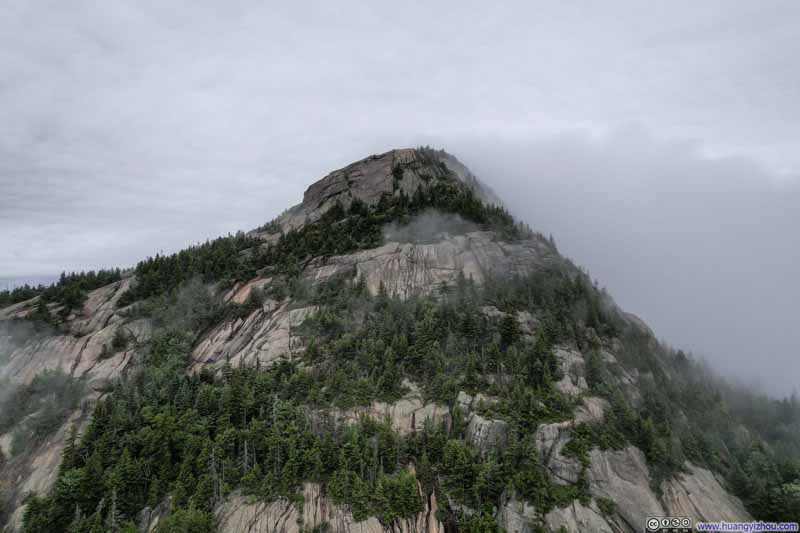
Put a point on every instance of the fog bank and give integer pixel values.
(705, 250)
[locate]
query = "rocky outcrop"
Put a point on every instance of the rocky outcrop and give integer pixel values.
(240, 514)
(699, 494)
(623, 477)
(406, 416)
(404, 170)
(239, 293)
(261, 338)
(36, 470)
(591, 410)
(485, 434)
(517, 516)
(149, 518)
(573, 381)
(550, 440)
(83, 350)
(407, 268)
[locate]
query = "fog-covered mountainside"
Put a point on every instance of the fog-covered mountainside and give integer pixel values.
(394, 353)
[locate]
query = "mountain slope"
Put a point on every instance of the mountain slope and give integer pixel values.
(393, 353)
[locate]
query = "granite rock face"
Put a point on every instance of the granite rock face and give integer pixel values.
(78, 351)
(573, 381)
(517, 516)
(260, 339)
(623, 477)
(407, 269)
(240, 515)
(550, 440)
(486, 434)
(404, 170)
(699, 494)
(82, 350)
(408, 415)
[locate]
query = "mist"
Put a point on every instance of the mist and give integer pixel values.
(704, 249)
(427, 227)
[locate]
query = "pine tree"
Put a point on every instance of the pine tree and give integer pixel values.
(69, 455)
(509, 330)
(120, 340)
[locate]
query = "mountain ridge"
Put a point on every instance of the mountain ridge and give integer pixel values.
(325, 273)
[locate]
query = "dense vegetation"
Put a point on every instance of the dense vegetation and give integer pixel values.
(265, 432)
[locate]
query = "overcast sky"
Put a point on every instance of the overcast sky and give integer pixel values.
(658, 141)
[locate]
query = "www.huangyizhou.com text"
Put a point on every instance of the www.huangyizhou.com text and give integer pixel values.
(747, 526)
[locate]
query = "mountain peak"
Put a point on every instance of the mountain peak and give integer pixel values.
(398, 171)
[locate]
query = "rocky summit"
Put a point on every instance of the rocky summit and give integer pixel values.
(396, 353)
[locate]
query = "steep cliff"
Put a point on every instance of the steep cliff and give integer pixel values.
(613, 487)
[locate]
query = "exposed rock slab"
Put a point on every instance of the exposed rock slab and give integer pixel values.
(241, 515)
(239, 293)
(407, 269)
(407, 415)
(36, 472)
(699, 494)
(573, 381)
(591, 410)
(80, 352)
(517, 516)
(550, 440)
(623, 476)
(261, 338)
(486, 434)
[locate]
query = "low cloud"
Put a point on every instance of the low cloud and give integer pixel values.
(703, 249)
(428, 227)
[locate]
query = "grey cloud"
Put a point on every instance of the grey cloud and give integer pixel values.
(703, 249)
(135, 127)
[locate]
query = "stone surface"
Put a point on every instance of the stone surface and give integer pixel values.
(407, 415)
(79, 352)
(517, 516)
(698, 493)
(591, 410)
(261, 338)
(406, 269)
(485, 434)
(623, 476)
(36, 471)
(550, 440)
(238, 293)
(240, 515)
(573, 381)
(577, 518)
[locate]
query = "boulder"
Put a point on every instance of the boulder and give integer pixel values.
(485, 434)
(573, 380)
